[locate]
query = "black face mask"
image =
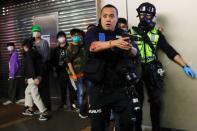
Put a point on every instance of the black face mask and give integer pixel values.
(146, 24)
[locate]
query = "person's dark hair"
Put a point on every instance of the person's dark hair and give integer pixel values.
(10, 44)
(76, 31)
(91, 26)
(28, 43)
(110, 6)
(83, 33)
(60, 34)
(122, 20)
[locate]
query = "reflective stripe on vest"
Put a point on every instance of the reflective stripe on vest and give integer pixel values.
(154, 38)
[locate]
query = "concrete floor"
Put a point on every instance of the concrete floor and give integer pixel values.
(11, 119)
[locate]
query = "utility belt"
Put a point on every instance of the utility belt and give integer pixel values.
(115, 85)
(148, 59)
(154, 66)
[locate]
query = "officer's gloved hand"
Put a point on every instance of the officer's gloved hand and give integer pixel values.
(189, 72)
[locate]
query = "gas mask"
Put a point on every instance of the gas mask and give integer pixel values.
(36, 34)
(145, 11)
(76, 39)
(61, 39)
(146, 24)
(10, 48)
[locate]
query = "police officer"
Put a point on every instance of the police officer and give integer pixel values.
(108, 50)
(149, 40)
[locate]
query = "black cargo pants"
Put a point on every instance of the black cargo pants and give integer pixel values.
(102, 100)
(154, 86)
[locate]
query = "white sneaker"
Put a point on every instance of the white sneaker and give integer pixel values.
(37, 112)
(20, 102)
(28, 112)
(7, 103)
(43, 118)
(83, 116)
(74, 108)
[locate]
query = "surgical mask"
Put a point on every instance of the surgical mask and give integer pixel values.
(125, 30)
(25, 49)
(61, 39)
(76, 39)
(10, 48)
(36, 34)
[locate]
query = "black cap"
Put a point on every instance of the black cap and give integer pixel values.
(28, 42)
(10, 44)
(122, 20)
(60, 34)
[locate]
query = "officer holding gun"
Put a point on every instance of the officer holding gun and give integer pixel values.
(109, 53)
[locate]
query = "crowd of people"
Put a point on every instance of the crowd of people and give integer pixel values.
(105, 70)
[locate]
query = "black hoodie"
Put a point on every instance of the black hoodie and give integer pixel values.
(32, 64)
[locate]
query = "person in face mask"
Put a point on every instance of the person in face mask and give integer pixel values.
(14, 70)
(42, 46)
(122, 24)
(32, 70)
(150, 39)
(75, 61)
(59, 64)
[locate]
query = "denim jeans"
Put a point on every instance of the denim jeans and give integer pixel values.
(80, 91)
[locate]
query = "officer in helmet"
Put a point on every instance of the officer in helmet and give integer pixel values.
(149, 40)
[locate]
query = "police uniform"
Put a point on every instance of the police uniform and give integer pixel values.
(108, 91)
(151, 78)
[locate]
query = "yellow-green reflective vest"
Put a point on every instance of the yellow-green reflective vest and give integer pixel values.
(154, 38)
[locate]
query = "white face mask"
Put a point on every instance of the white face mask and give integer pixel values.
(36, 34)
(125, 29)
(10, 48)
(61, 39)
(26, 49)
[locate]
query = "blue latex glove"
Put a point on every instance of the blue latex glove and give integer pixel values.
(189, 72)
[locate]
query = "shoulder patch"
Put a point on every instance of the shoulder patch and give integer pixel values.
(101, 37)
